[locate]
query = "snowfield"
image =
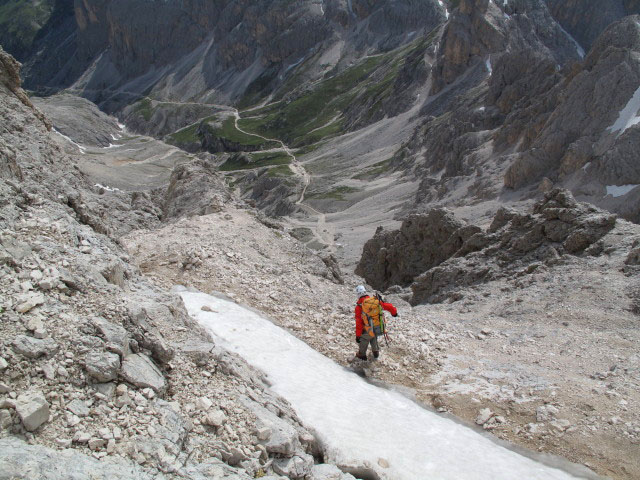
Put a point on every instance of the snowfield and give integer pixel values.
(359, 423)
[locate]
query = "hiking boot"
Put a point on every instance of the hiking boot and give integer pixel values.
(361, 357)
(376, 354)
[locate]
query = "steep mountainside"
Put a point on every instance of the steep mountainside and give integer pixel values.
(507, 99)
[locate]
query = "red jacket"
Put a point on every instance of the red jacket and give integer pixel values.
(358, 313)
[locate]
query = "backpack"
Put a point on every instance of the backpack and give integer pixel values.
(373, 316)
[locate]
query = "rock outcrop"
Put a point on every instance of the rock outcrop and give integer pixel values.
(446, 255)
(195, 189)
(99, 372)
(586, 23)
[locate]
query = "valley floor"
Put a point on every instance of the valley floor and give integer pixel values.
(547, 361)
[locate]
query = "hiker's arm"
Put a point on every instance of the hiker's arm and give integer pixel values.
(359, 324)
(390, 308)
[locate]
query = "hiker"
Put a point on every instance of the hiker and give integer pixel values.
(370, 321)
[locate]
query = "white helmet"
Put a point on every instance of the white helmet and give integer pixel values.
(361, 291)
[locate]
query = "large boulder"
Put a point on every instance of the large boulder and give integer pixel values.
(33, 410)
(102, 366)
(139, 370)
(31, 347)
(423, 241)
(436, 254)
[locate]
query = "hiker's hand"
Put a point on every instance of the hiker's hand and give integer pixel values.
(394, 315)
(357, 339)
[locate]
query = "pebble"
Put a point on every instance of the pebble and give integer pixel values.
(3, 364)
(483, 416)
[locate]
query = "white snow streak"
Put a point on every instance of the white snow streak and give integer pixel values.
(357, 422)
(619, 190)
(107, 188)
(446, 12)
(579, 49)
(82, 149)
(487, 62)
(628, 116)
(294, 64)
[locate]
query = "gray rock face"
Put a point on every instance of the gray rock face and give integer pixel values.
(115, 336)
(19, 460)
(585, 21)
(102, 366)
(78, 119)
(298, 466)
(465, 255)
(587, 141)
(34, 347)
(275, 434)
(423, 241)
(324, 471)
(139, 370)
(195, 189)
(33, 410)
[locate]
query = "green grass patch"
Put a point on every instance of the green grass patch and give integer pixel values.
(229, 131)
(243, 161)
(186, 135)
(335, 194)
(280, 171)
(20, 22)
(374, 170)
(363, 89)
(314, 110)
(308, 148)
(145, 108)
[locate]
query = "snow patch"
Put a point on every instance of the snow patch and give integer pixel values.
(619, 190)
(294, 65)
(107, 188)
(579, 49)
(82, 149)
(487, 63)
(586, 165)
(336, 404)
(628, 116)
(446, 12)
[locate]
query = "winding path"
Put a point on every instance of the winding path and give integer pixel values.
(323, 233)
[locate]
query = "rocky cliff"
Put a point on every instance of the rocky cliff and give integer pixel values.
(119, 51)
(99, 365)
(436, 255)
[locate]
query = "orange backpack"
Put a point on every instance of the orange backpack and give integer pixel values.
(373, 317)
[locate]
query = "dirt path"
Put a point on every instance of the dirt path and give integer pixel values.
(322, 232)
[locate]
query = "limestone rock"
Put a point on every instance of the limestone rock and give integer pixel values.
(17, 457)
(546, 413)
(215, 418)
(34, 347)
(33, 410)
(102, 366)
(298, 466)
(139, 370)
(283, 438)
(29, 302)
(115, 336)
(325, 471)
(483, 416)
(78, 407)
